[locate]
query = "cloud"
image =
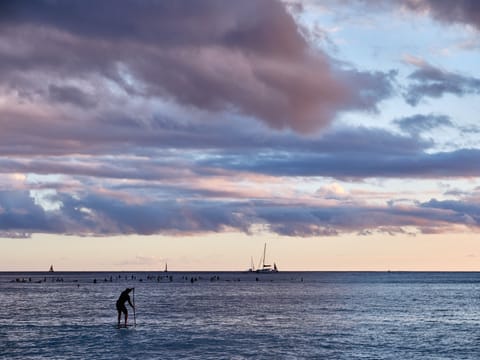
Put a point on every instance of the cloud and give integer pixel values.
(461, 11)
(456, 211)
(461, 207)
(247, 57)
(417, 124)
(15, 235)
(189, 117)
(71, 95)
(430, 81)
(103, 215)
(451, 12)
(332, 191)
(354, 153)
(20, 215)
(366, 154)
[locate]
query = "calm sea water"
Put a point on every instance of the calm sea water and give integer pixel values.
(314, 315)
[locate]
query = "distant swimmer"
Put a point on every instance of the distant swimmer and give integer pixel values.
(124, 297)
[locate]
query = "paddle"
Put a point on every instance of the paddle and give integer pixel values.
(134, 315)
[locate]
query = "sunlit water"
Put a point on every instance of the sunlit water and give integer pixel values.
(281, 316)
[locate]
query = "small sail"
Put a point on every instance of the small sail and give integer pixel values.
(252, 267)
(51, 268)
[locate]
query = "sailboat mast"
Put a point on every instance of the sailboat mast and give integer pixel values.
(264, 252)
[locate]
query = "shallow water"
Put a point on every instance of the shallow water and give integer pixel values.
(319, 315)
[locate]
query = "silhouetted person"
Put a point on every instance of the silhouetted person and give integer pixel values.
(124, 297)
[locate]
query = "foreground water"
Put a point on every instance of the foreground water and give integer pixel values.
(317, 315)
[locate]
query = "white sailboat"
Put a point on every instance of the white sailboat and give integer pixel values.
(252, 267)
(266, 268)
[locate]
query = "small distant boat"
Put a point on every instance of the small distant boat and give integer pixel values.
(51, 268)
(266, 268)
(166, 267)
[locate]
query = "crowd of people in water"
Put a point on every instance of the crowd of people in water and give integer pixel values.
(163, 278)
(39, 281)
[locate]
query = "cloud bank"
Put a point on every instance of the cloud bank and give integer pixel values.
(180, 117)
(247, 57)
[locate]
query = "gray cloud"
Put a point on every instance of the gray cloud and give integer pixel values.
(429, 81)
(105, 216)
(460, 11)
(246, 56)
(446, 11)
(419, 123)
(354, 153)
(71, 95)
(354, 165)
(19, 214)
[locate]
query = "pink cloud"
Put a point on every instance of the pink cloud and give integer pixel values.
(247, 56)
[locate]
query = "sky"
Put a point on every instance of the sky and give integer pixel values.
(343, 134)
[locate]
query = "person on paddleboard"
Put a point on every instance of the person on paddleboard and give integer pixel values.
(124, 297)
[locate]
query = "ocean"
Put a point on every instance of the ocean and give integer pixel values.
(227, 315)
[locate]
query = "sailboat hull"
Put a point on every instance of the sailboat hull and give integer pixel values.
(266, 271)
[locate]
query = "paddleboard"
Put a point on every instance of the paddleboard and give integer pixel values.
(122, 326)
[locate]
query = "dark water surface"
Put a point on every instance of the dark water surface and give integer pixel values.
(289, 315)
